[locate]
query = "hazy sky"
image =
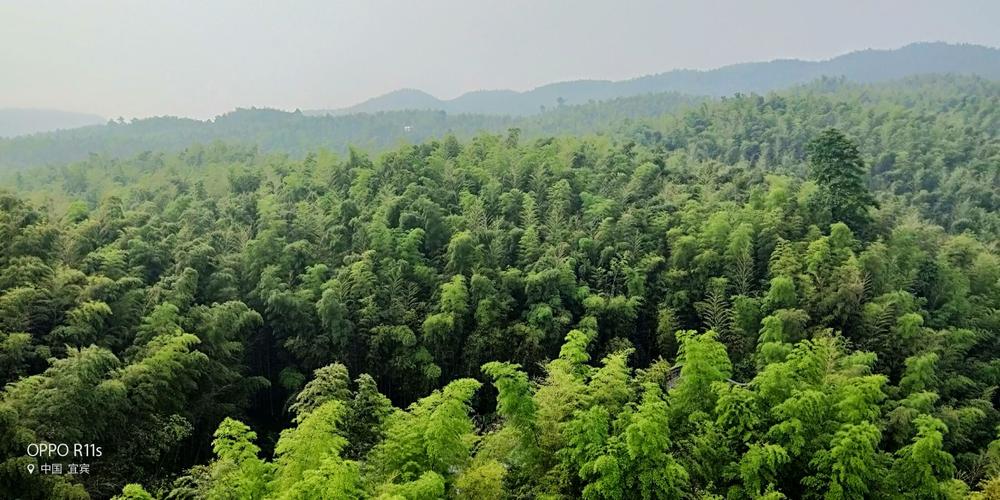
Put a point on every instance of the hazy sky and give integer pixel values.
(202, 58)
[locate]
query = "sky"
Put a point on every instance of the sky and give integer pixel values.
(199, 59)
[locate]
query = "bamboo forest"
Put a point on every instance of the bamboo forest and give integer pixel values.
(786, 294)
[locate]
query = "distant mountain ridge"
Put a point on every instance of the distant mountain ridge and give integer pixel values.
(866, 66)
(296, 133)
(21, 121)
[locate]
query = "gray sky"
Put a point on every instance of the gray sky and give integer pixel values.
(202, 58)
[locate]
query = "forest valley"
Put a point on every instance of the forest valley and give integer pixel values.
(785, 296)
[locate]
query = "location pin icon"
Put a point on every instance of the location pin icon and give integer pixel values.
(31, 468)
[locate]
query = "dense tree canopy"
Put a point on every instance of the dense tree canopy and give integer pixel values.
(732, 301)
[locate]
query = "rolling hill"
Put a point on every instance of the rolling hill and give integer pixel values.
(867, 66)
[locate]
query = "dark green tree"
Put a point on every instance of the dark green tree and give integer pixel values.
(835, 164)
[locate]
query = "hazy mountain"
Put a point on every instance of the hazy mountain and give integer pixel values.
(296, 133)
(16, 121)
(396, 100)
(867, 66)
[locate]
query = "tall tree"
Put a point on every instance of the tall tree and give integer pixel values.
(836, 166)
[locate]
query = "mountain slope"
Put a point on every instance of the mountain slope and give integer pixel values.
(396, 100)
(867, 66)
(16, 121)
(297, 133)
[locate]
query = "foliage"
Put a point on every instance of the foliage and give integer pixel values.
(724, 301)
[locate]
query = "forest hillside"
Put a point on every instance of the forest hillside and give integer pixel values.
(791, 295)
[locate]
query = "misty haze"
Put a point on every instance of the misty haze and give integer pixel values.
(499, 250)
